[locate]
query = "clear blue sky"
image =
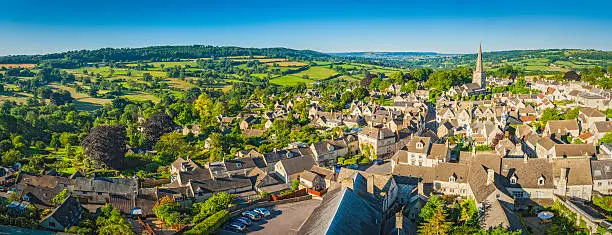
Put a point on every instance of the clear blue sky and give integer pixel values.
(30, 27)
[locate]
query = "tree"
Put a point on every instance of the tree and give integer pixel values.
(157, 125)
(106, 144)
(295, 184)
(212, 205)
(68, 139)
(410, 86)
(11, 157)
(173, 144)
(437, 224)
(430, 208)
(60, 197)
(606, 139)
(169, 211)
(397, 77)
(111, 222)
(203, 107)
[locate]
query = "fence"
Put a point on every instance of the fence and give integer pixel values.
(317, 193)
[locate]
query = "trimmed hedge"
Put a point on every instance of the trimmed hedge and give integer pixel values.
(210, 224)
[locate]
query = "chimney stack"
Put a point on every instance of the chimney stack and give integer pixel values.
(420, 188)
(370, 179)
(525, 158)
(490, 176)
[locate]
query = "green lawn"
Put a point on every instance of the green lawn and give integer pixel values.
(289, 80)
(317, 73)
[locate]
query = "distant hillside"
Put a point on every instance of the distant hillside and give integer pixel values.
(401, 54)
(160, 53)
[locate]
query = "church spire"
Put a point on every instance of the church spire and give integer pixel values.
(479, 76)
(479, 66)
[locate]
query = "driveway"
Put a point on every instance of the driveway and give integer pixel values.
(284, 219)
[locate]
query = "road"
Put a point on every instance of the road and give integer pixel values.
(285, 219)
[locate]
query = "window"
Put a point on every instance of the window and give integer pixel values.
(539, 194)
(451, 179)
(512, 180)
(541, 181)
(419, 145)
(518, 194)
(599, 184)
(99, 193)
(238, 165)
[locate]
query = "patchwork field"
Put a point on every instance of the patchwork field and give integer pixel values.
(25, 66)
(289, 80)
(317, 73)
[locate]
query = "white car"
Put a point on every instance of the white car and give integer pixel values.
(262, 211)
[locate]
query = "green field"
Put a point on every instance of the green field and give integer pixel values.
(289, 80)
(317, 73)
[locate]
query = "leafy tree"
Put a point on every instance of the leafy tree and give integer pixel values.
(60, 197)
(173, 144)
(210, 224)
(410, 86)
(606, 139)
(203, 107)
(106, 144)
(11, 157)
(111, 222)
(169, 211)
(429, 209)
(157, 125)
(436, 224)
(69, 139)
(397, 77)
(295, 184)
(212, 205)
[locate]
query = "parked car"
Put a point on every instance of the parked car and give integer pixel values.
(379, 162)
(235, 226)
(243, 220)
(262, 211)
(251, 215)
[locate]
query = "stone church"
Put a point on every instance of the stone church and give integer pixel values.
(479, 81)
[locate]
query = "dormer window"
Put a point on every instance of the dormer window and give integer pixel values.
(419, 145)
(238, 165)
(513, 179)
(541, 180)
(452, 178)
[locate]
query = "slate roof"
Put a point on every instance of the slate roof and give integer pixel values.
(107, 185)
(342, 212)
(68, 213)
(412, 145)
(297, 164)
(478, 176)
(378, 133)
(221, 184)
(575, 150)
(527, 173)
(579, 170)
(601, 169)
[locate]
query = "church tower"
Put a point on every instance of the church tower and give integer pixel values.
(479, 77)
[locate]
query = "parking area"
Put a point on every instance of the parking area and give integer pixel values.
(284, 219)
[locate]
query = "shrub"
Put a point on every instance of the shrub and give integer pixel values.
(295, 184)
(365, 161)
(350, 161)
(340, 160)
(210, 224)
